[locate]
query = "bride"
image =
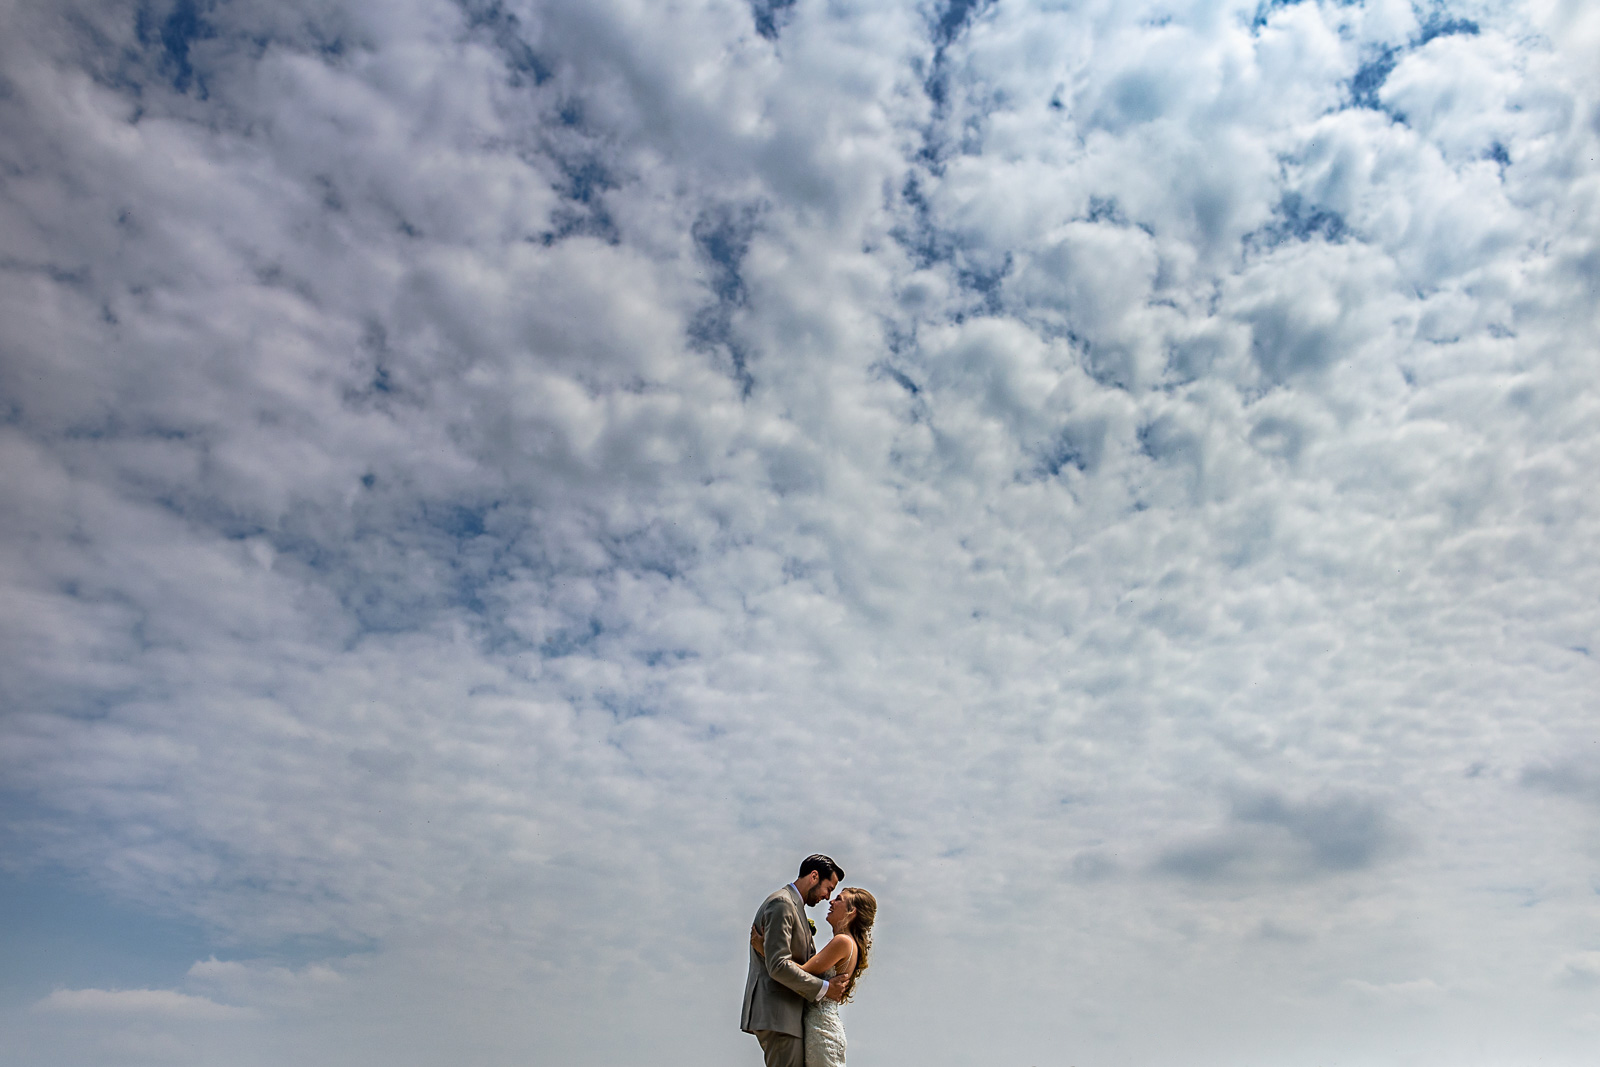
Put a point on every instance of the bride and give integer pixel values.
(842, 959)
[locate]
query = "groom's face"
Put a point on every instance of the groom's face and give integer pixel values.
(822, 890)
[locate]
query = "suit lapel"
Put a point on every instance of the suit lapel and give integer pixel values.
(805, 925)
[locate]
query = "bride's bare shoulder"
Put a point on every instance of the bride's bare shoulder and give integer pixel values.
(840, 947)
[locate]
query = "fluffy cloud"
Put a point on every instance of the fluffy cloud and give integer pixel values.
(162, 1003)
(491, 485)
(1273, 836)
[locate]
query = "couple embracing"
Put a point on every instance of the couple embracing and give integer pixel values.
(792, 997)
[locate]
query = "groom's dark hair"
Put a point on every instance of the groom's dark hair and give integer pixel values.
(822, 864)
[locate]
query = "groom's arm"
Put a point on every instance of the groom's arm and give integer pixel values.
(777, 930)
(832, 988)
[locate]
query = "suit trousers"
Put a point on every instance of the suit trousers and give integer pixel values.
(782, 1050)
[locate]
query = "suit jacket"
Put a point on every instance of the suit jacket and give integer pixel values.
(777, 991)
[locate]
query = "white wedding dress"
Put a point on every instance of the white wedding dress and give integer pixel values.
(824, 1031)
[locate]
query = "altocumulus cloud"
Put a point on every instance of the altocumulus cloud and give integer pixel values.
(490, 485)
(158, 1002)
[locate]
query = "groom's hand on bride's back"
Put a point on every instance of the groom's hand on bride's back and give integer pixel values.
(838, 988)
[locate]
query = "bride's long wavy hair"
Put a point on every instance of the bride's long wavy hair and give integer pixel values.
(866, 906)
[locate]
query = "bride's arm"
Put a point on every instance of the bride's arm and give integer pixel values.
(835, 951)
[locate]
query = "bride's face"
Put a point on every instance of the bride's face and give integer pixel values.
(840, 912)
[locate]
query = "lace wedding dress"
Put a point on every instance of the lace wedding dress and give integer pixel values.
(824, 1031)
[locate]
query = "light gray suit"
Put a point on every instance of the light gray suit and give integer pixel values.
(777, 990)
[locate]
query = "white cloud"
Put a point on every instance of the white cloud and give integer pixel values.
(154, 1003)
(491, 485)
(1416, 991)
(1581, 970)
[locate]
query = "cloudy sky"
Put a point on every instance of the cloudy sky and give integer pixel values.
(490, 484)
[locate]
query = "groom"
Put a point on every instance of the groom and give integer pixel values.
(777, 991)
